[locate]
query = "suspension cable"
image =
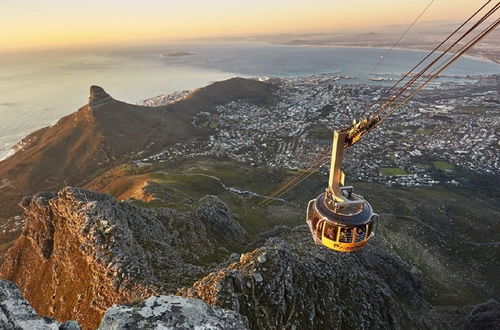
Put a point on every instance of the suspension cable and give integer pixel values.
(398, 93)
(288, 185)
(382, 58)
(430, 54)
(443, 66)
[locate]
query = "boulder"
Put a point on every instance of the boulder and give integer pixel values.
(17, 313)
(171, 312)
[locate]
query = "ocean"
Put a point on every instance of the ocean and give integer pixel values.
(38, 88)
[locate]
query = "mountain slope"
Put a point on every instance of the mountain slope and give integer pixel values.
(82, 252)
(291, 283)
(107, 131)
(415, 268)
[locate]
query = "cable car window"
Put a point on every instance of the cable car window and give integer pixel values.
(318, 229)
(360, 233)
(345, 235)
(314, 220)
(370, 229)
(331, 231)
(310, 209)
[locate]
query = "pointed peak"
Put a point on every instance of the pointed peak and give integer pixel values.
(97, 93)
(98, 96)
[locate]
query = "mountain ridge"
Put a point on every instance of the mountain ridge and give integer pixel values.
(81, 251)
(106, 131)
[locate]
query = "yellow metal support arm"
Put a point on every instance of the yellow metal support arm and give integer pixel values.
(341, 140)
(336, 178)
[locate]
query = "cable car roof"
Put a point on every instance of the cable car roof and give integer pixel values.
(340, 219)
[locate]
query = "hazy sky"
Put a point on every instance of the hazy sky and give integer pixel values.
(34, 23)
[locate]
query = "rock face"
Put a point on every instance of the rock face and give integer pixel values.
(17, 313)
(171, 312)
(82, 252)
(156, 312)
(98, 96)
(484, 316)
(290, 283)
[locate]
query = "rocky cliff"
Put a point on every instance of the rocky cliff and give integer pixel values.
(175, 312)
(82, 252)
(17, 313)
(157, 312)
(291, 283)
(482, 317)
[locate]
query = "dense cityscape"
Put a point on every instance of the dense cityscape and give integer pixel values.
(446, 126)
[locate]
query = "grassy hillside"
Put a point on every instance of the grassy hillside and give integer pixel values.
(108, 132)
(447, 234)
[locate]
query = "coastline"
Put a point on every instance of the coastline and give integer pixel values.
(7, 149)
(10, 152)
(471, 56)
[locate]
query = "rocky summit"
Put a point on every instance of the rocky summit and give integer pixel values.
(82, 252)
(98, 96)
(290, 283)
(172, 312)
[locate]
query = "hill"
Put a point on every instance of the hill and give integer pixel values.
(106, 132)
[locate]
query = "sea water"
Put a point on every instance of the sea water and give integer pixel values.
(38, 88)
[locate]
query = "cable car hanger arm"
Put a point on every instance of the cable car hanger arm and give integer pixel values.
(358, 129)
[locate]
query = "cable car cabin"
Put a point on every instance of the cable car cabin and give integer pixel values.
(343, 229)
(339, 219)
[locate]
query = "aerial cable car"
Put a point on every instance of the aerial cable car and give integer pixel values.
(338, 218)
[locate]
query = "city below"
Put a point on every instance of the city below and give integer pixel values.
(444, 127)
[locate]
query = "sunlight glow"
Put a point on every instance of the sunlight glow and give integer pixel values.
(33, 23)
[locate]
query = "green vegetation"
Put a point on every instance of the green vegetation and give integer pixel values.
(423, 131)
(441, 165)
(423, 166)
(321, 132)
(402, 139)
(392, 171)
(416, 129)
(177, 187)
(470, 110)
(399, 128)
(440, 231)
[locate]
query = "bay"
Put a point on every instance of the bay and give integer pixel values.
(38, 88)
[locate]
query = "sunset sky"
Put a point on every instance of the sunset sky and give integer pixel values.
(36, 23)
